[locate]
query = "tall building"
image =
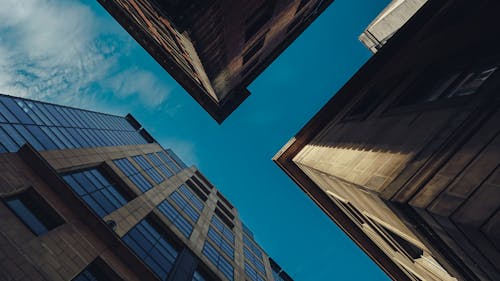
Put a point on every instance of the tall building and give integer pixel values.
(405, 157)
(92, 196)
(390, 20)
(215, 48)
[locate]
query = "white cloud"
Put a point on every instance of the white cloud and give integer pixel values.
(61, 51)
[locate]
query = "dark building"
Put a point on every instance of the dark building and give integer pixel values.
(215, 48)
(92, 196)
(405, 158)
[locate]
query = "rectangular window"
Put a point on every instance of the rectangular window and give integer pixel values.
(97, 271)
(223, 228)
(170, 163)
(150, 242)
(176, 159)
(252, 273)
(192, 197)
(251, 245)
(220, 242)
(184, 205)
(254, 260)
(184, 226)
(202, 177)
(160, 165)
(225, 210)
(198, 190)
(34, 212)
(98, 191)
(152, 173)
(247, 230)
(218, 260)
(133, 174)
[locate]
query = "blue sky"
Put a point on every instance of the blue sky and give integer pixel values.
(74, 53)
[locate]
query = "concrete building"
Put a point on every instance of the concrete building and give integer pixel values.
(405, 157)
(92, 196)
(215, 48)
(390, 20)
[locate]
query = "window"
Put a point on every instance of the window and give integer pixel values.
(184, 226)
(199, 276)
(225, 210)
(170, 163)
(99, 192)
(447, 85)
(200, 175)
(224, 229)
(133, 174)
(34, 212)
(192, 197)
(252, 273)
(220, 242)
(97, 271)
(152, 173)
(254, 260)
(184, 205)
(253, 49)
(218, 260)
(197, 189)
(176, 159)
(247, 230)
(152, 245)
(250, 244)
(159, 164)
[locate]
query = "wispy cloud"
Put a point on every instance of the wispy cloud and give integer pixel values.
(61, 51)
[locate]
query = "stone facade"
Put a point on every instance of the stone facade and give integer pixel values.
(406, 155)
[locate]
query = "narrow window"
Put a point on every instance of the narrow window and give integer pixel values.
(34, 212)
(97, 271)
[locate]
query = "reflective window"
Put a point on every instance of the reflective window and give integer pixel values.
(254, 260)
(250, 244)
(247, 230)
(152, 173)
(46, 126)
(218, 260)
(131, 172)
(160, 165)
(170, 163)
(220, 242)
(98, 191)
(192, 197)
(34, 212)
(151, 244)
(252, 274)
(198, 276)
(184, 205)
(224, 229)
(185, 227)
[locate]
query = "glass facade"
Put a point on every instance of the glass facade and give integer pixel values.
(251, 245)
(94, 273)
(131, 172)
(220, 242)
(170, 163)
(185, 227)
(254, 260)
(218, 260)
(159, 164)
(47, 127)
(194, 199)
(176, 159)
(151, 244)
(252, 274)
(224, 229)
(146, 167)
(95, 189)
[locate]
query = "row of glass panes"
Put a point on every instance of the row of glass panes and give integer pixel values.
(176, 159)
(16, 110)
(247, 230)
(152, 246)
(220, 242)
(215, 257)
(170, 163)
(193, 198)
(152, 173)
(95, 189)
(159, 164)
(13, 136)
(184, 226)
(251, 245)
(252, 274)
(254, 260)
(224, 229)
(133, 174)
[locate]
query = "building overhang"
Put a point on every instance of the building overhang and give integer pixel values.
(218, 109)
